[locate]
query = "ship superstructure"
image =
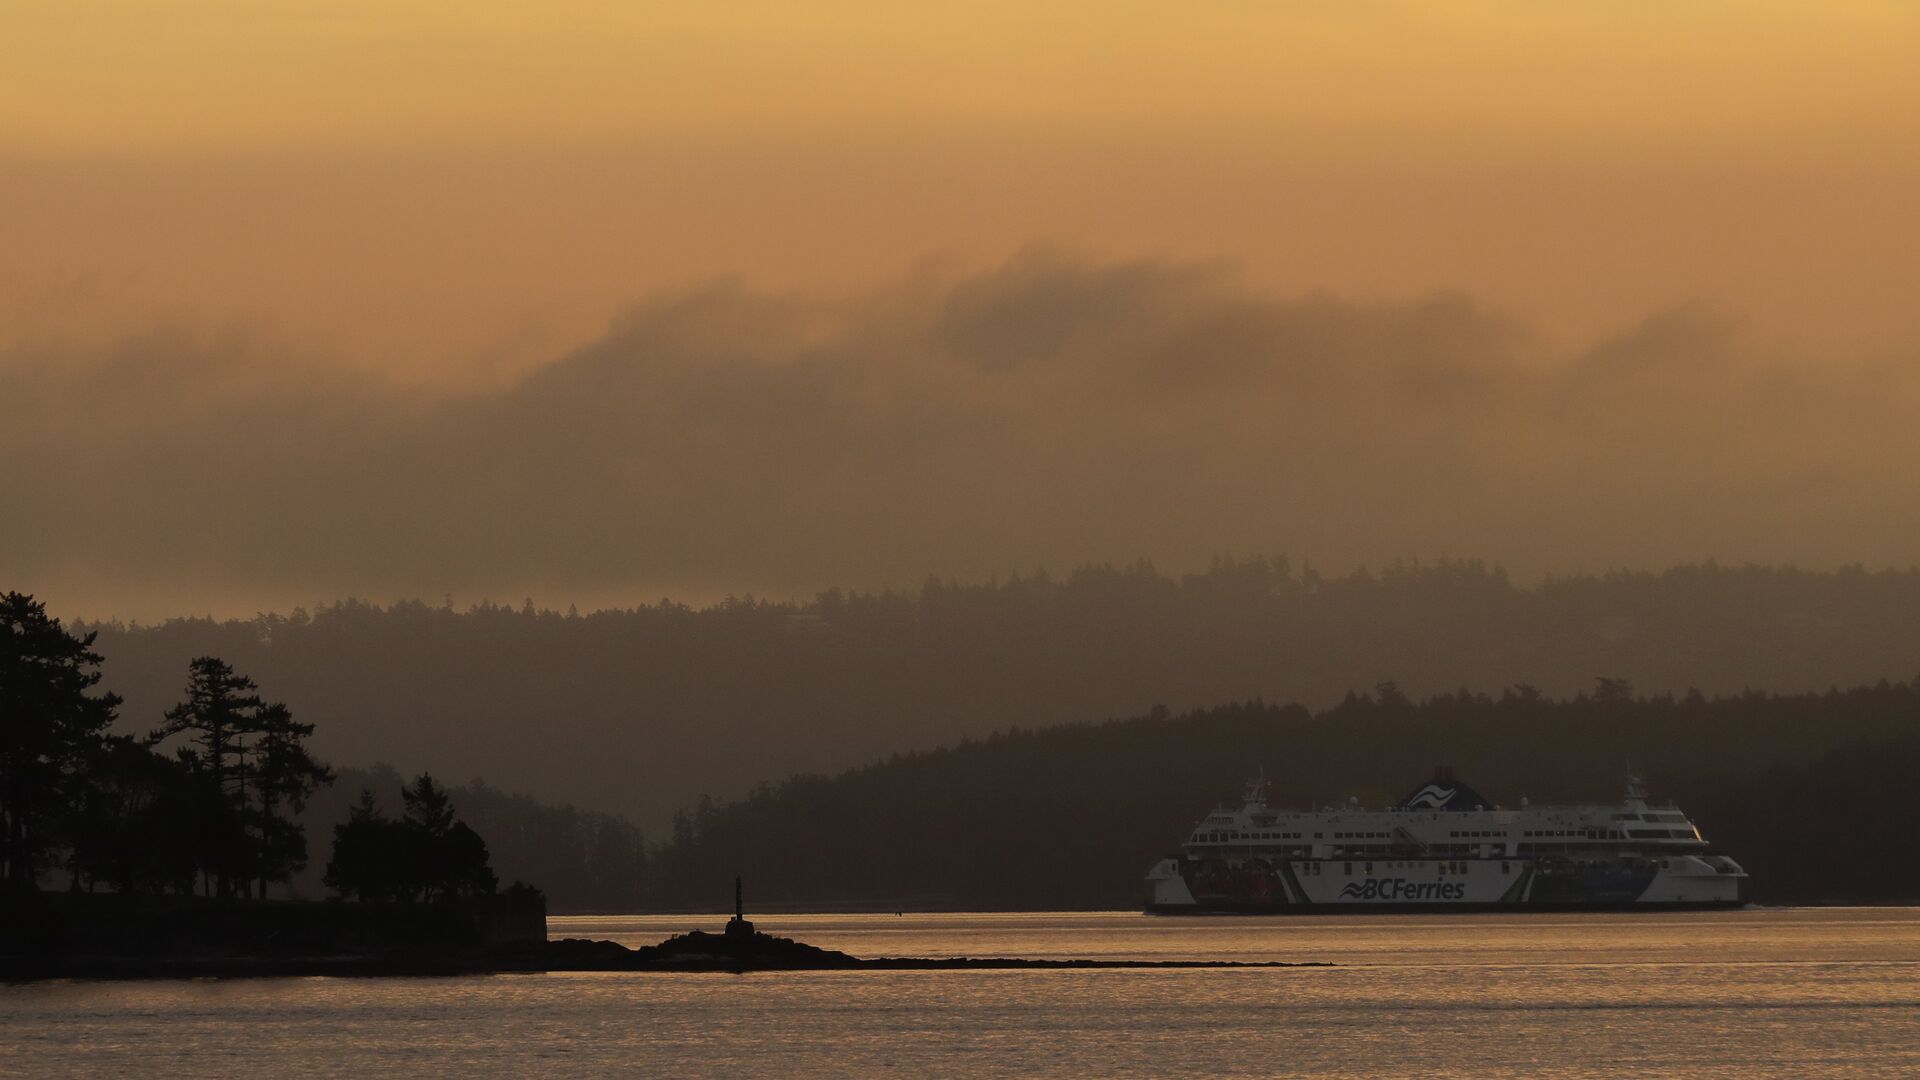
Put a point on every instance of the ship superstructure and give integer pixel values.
(1444, 847)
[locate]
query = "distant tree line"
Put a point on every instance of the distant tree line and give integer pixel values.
(209, 802)
(1813, 793)
(640, 711)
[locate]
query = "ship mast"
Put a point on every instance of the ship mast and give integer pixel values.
(1256, 790)
(1636, 791)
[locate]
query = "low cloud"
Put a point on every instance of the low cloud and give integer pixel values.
(1046, 412)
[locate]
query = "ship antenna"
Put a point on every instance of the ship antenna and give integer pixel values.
(1635, 789)
(1257, 787)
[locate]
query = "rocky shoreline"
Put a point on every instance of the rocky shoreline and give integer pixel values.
(697, 951)
(109, 937)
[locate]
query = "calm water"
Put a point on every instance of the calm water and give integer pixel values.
(1832, 992)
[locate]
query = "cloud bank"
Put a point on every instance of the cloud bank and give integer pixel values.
(1045, 412)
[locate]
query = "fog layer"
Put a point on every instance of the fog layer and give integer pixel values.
(1046, 412)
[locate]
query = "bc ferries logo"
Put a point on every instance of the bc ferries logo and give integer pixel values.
(1394, 888)
(1433, 796)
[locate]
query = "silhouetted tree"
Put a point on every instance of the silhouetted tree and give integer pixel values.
(585, 860)
(463, 864)
(136, 824)
(425, 856)
(428, 809)
(369, 860)
(1611, 691)
(285, 775)
(50, 728)
(249, 759)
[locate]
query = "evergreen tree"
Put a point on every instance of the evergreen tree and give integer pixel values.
(135, 826)
(50, 727)
(286, 775)
(428, 807)
(249, 758)
(425, 856)
(464, 864)
(367, 862)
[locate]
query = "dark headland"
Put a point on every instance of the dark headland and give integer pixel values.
(742, 948)
(106, 938)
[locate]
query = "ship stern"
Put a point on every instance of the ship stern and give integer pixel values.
(1167, 891)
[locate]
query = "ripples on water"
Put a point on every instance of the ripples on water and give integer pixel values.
(1831, 992)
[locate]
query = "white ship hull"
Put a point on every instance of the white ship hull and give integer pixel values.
(1435, 885)
(1444, 849)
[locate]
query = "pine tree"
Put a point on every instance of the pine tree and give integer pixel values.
(286, 774)
(425, 856)
(250, 759)
(428, 807)
(50, 726)
(368, 863)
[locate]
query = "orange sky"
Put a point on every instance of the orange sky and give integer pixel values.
(452, 196)
(460, 188)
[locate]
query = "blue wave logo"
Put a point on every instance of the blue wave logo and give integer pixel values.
(1394, 888)
(1432, 796)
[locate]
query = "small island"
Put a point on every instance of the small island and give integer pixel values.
(741, 948)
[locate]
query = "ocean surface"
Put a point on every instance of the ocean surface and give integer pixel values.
(1783, 992)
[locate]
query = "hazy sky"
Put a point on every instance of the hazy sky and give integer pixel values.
(603, 300)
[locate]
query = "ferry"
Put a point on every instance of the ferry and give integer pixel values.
(1444, 847)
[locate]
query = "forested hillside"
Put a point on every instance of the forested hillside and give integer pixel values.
(644, 710)
(1811, 792)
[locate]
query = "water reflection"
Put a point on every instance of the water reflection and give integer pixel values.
(1788, 993)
